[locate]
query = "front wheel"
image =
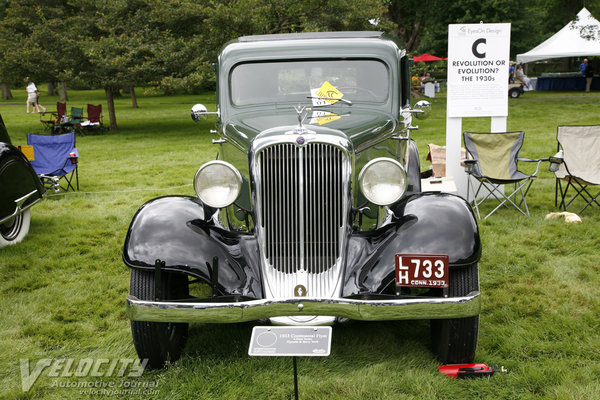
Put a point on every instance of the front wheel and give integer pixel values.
(454, 340)
(158, 342)
(14, 230)
(514, 93)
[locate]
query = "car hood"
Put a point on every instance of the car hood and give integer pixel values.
(362, 127)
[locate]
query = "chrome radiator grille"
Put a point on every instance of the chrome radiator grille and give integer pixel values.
(301, 192)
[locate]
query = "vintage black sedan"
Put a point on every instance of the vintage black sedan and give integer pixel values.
(312, 212)
(20, 188)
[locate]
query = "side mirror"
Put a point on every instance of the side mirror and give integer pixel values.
(199, 112)
(422, 109)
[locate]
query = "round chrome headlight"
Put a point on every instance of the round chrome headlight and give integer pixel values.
(383, 181)
(217, 183)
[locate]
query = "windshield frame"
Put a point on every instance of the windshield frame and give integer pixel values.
(304, 96)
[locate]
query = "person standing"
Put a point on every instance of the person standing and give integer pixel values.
(589, 75)
(32, 96)
(582, 67)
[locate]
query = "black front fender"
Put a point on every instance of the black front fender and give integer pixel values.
(17, 179)
(175, 230)
(425, 223)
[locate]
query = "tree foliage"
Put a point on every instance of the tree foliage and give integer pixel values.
(170, 44)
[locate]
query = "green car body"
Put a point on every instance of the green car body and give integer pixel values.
(314, 197)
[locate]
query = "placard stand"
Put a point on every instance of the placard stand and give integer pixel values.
(295, 379)
(291, 341)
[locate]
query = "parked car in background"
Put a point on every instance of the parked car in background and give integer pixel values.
(20, 189)
(312, 212)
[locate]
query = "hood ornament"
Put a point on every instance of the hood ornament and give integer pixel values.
(300, 110)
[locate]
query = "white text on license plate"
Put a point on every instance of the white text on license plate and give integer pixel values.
(422, 270)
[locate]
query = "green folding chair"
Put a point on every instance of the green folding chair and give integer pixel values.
(75, 120)
(493, 161)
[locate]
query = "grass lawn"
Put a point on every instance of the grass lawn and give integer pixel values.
(63, 290)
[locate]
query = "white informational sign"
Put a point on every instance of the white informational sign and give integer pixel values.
(478, 57)
(290, 341)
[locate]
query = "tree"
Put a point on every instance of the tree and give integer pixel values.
(411, 18)
(7, 67)
(118, 40)
(42, 40)
(523, 15)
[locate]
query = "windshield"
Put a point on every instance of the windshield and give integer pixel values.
(298, 81)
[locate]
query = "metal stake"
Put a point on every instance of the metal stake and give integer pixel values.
(295, 379)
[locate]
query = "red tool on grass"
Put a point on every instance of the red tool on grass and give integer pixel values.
(468, 370)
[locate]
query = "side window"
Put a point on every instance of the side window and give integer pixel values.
(404, 81)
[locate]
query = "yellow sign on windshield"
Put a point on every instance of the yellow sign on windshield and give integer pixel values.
(328, 93)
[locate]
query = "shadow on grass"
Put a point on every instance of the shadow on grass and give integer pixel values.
(356, 342)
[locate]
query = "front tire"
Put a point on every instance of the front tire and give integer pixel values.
(15, 230)
(454, 340)
(158, 342)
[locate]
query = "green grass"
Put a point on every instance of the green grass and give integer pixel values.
(63, 289)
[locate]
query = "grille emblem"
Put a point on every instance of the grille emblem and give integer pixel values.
(300, 291)
(300, 140)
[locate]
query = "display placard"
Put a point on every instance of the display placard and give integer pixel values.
(288, 341)
(478, 63)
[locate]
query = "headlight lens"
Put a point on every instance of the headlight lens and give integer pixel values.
(217, 183)
(383, 181)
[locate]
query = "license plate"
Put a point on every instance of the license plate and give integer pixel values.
(422, 270)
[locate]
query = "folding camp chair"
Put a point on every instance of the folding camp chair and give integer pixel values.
(56, 158)
(494, 161)
(74, 121)
(56, 117)
(94, 121)
(577, 163)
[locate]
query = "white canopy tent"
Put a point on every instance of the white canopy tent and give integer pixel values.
(579, 38)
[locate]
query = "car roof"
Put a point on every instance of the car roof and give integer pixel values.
(312, 35)
(372, 44)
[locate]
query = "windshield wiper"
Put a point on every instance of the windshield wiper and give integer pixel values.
(330, 98)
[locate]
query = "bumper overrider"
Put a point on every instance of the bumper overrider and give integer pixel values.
(366, 310)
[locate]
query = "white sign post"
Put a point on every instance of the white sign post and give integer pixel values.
(478, 57)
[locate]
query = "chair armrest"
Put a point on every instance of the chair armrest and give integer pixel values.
(537, 160)
(533, 159)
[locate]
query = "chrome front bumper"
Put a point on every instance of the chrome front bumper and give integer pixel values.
(366, 310)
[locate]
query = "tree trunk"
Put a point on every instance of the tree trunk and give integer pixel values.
(63, 92)
(52, 89)
(111, 108)
(6, 93)
(134, 103)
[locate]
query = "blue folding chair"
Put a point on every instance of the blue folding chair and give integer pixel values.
(55, 159)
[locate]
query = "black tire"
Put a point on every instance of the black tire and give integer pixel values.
(454, 340)
(514, 93)
(159, 342)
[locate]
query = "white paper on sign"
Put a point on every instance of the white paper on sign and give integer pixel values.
(316, 101)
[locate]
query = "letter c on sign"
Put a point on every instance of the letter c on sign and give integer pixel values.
(476, 52)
